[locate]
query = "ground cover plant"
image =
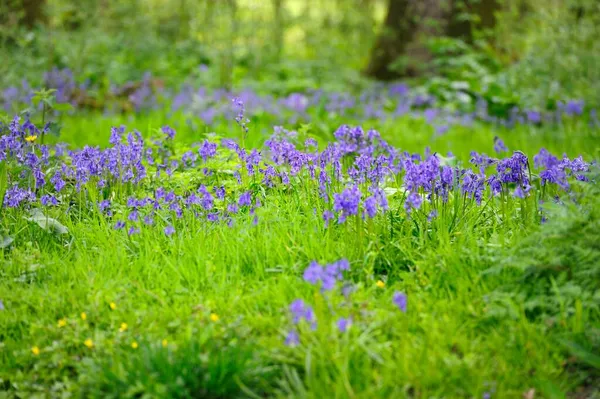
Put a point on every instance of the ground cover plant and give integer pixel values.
(295, 268)
(242, 199)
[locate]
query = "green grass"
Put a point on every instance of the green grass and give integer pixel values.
(452, 342)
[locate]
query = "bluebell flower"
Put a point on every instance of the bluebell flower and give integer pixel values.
(400, 300)
(499, 145)
(219, 192)
(48, 200)
(245, 199)
(301, 311)
(313, 273)
(343, 324)
(346, 202)
(327, 216)
(413, 201)
(371, 206)
(292, 338)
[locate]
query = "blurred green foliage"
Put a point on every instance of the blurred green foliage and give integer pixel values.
(539, 51)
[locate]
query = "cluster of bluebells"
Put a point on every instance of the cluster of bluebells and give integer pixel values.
(349, 175)
(328, 277)
(372, 103)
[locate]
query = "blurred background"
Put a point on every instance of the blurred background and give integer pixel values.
(525, 53)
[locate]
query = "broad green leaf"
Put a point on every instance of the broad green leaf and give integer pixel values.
(47, 223)
(5, 241)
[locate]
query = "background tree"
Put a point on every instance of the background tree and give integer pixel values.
(401, 48)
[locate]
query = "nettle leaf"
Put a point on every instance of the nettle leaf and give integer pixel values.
(47, 223)
(5, 241)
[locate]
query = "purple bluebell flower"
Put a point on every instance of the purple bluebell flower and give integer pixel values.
(574, 107)
(432, 215)
(169, 132)
(133, 230)
(169, 230)
(400, 300)
(413, 201)
(495, 184)
(237, 176)
(371, 206)
(499, 145)
(473, 185)
(327, 216)
(328, 275)
(521, 192)
(534, 117)
(48, 199)
(133, 216)
(240, 119)
(313, 273)
(301, 311)
(219, 192)
(245, 199)
(232, 208)
(343, 324)
(15, 196)
(104, 205)
(346, 202)
(119, 225)
(441, 129)
(58, 182)
(292, 339)
(207, 150)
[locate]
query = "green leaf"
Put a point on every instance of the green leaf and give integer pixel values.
(47, 223)
(5, 241)
(582, 354)
(63, 107)
(54, 128)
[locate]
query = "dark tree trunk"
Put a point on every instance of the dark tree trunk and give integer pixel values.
(401, 50)
(33, 12)
(279, 27)
(398, 30)
(26, 13)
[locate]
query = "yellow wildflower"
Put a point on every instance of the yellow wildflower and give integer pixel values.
(35, 350)
(62, 323)
(30, 139)
(89, 343)
(165, 343)
(83, 316)
(380, 284)
(214, 317)
(123, 327)
(134, 345)
(113, 306)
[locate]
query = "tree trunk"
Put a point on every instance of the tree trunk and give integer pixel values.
(401, 49)
(279, 27)
(33, 12)
(398, 30)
